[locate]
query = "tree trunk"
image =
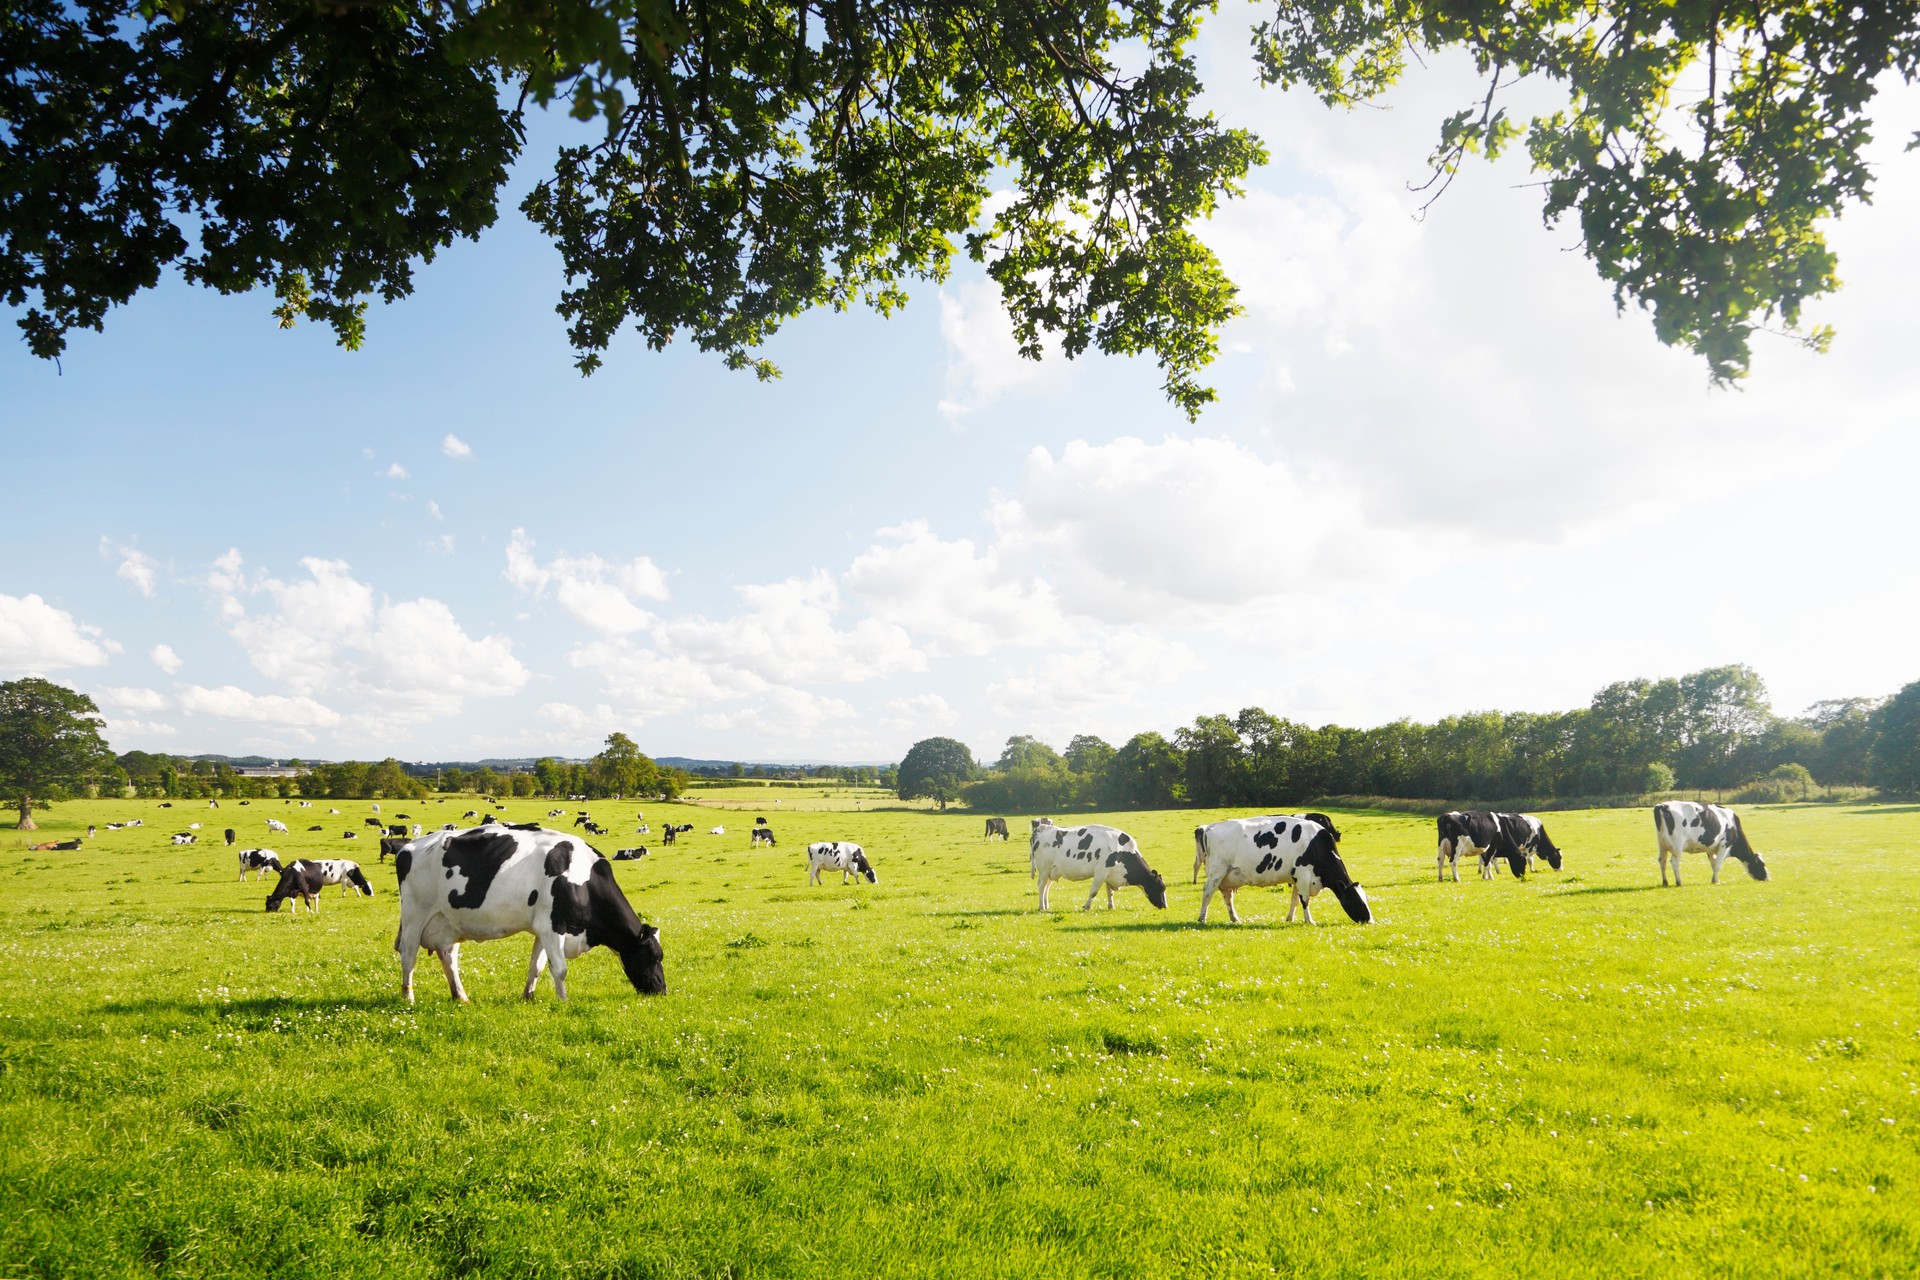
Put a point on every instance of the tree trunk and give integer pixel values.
(26, 815)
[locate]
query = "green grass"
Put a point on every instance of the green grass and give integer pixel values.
(1578, 1075)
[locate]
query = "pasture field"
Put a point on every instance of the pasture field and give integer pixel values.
(1578, 1075)
(757, 799)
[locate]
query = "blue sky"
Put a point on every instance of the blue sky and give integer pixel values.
(1443, 476)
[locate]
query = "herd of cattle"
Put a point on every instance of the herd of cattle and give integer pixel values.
(490, 880)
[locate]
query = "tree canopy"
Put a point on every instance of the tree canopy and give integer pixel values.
(763, 157)
(935, 769)
(49, 742)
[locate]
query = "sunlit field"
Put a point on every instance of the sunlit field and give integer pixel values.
(1582, 1074)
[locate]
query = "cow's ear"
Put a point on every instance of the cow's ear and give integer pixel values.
(648, 931)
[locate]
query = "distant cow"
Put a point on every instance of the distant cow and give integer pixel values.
(844, 856)
(259, 861)
(1105, 855)
(229, 834)
(715, 831)
(274, 824)
(760, 836)
(389, 846)
(372, 822)
(476, 885)
(1685, 827)
(184, 837)
(1293, 849)
(375, 808)
(642, 829)
(1515, 838)
(396, 828)
(315, 827)
(343, 873)
(997, 827)
(349, 835)
(630, 855)
(193, 826)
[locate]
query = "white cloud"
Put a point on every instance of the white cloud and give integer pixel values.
(984, 362)
(121, 728)
(36, 636)
(433, 509)
(591, 590)
(166, 659)
(229, 702)
(137, 569)
(919, 713)
(131, 699)
(407, 659)
(396, 472)
(1065, 688)
(958, 600)
(787, 635)
(454, 447)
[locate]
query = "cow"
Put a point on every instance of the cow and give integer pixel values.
(49, 846)
(1685, 827)
(760, 821)
(396, 828)
(471, 813)
(403, 817)
(1292, 849)
(259, 861)
(389, 846)
(760, 836)
(714, 831)
(372, 822)
(306, 804)
(375, 808)
(581, 818)
(1105, 855)
(415, 832)
(630, 855)
(184, 837)
(595, 829)
(315, 827)
(349, 835)
(480, 884)
(643, 829)
(193, 826)
(301, 882)
(274, 824)
(844, 856)
(997, 827)
(1515, 838)
(229, 834)
(1529, 835)
(344, 873)
(90, 833)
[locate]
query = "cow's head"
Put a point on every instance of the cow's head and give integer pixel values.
(1353, 899)
(1748, 856)
(359, 881)
(862, 867)
(645, 962)
(1144, 877)
(1547, 849)
(291, 882)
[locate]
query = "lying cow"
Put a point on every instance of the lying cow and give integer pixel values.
(630, 855)
(1685, 827)
(844, 856)
(760, 836)
(1294, 850)
(258, 861)
(997, 827)
(476, 885)
(1105, 855)
(274, 824)
(715, 831)
(184, 837)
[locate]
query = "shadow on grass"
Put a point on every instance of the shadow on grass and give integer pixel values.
(262, 1006)
(984, 911)
(1100, 925)
(1603, 888)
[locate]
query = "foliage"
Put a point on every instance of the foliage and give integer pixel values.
(49, 743)
(935, 769)
(763, 157)
(1895, 760)
(1659, 777)
(982, 1096)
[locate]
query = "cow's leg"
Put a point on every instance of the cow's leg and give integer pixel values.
(408, 947)
(1453, 863)
(450, 965)
(1044, 882)
(1109, 897)
(1306, 905)
(1440, 861)
(1717, 857)
(556, 949)
(1226, 896)
(535, 965)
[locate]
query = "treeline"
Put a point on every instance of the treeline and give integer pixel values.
(1713, 730)
(621, 769)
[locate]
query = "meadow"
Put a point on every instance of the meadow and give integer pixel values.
(1580, 1074)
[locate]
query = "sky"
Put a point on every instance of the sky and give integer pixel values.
(1444, 474)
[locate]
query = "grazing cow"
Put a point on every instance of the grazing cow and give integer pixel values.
(580, 818)
(229, 836)
(314, 827)
(301, 882)
(184, 837)
(716, 831)
(1515, 838)
(274, 824)
(343, 873)
(372, 822)
(1685, 827)
(1529, 835)
(1107, 856)
(259, 861)
(760, 836)
(844, 856)
(630, 855)
(389, 846)
(997, 827)
(475, 885)
(396, 829)
(1292, 849)
(760, 821)
(595, 829)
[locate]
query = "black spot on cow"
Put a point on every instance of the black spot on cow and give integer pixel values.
(1059, 838)
(533, 896)
(559, 858)
(1663, 816)
(478, 855)
(1709, 826)
(1266, 839)
(1125, 838)
(524, 826)
(1324, 821)
(403, 863)
(1086, 841)
(1266, 862)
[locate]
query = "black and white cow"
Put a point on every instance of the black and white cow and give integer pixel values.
(1513, 838)
(630, 855)
(301, 882)
(760, 836)
(997, 827)
(485, 883)
(1685, 827)
(344, 873)
(1107, 856)
(396, 828)
(844, 856)
(1290, 849)
(274, 824)
(229, 833)
(184, 837)
(259, 861)
(372, 822)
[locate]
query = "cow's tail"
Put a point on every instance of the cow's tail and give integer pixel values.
(1748, 856)
(1199, 851)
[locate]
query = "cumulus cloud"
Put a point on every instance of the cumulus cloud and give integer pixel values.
(36, 636)
(119, 729)
(166, 659)
(919, 713)
(1064, 688)
(593, 591)
(788, 634)
(229, 702)
(958, 599)
(984, 363)
(137, 569)
(396, 472)
(328, 632)
(454, 447)
(131, 699)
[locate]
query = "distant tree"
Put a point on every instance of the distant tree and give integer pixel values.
(1088, 755)
(623, 769)
(936, 769)
(521, 784)
(388, 779)
(1895, 759)
(1659, 777)
(1023, 752)
(1792, 779)
(1147, 773)
(550, 776)
(49, 743)
(1845, 726)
